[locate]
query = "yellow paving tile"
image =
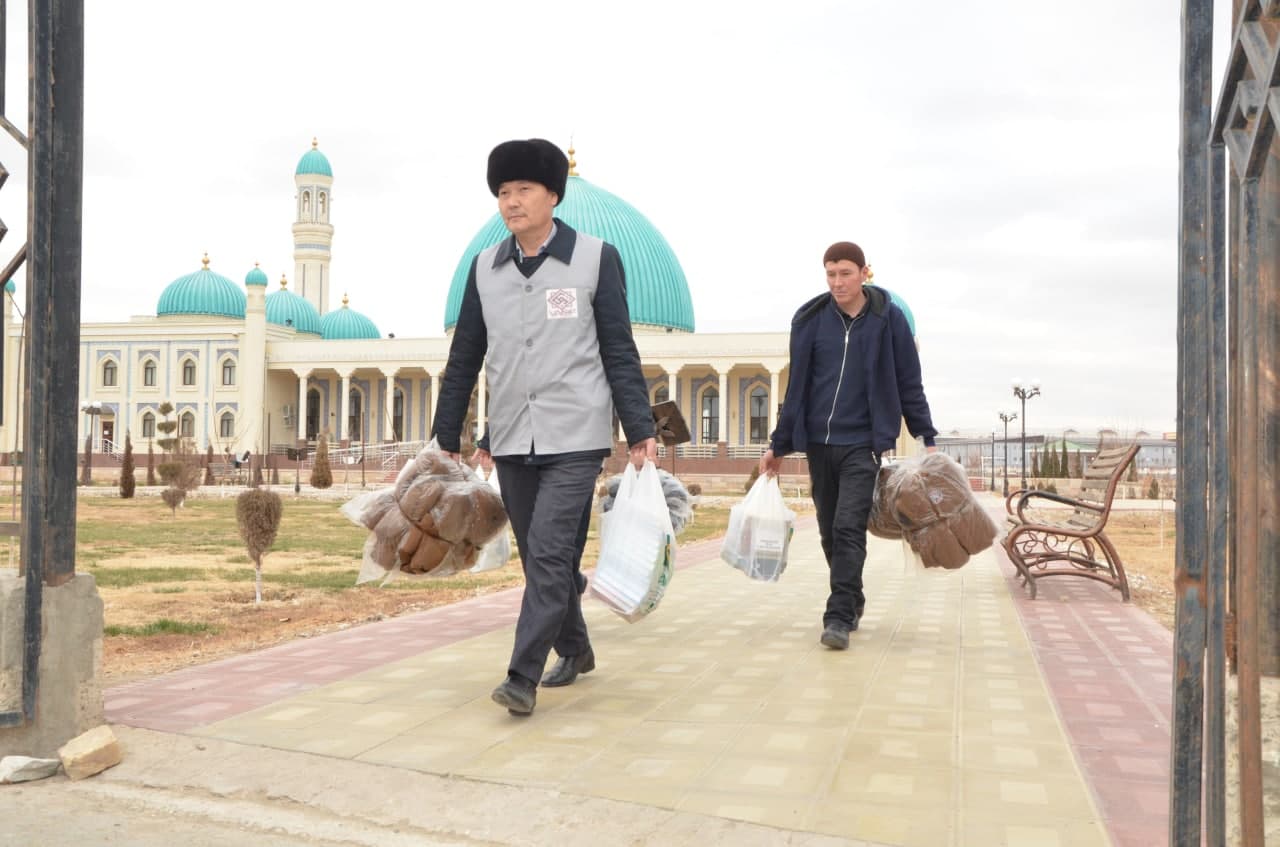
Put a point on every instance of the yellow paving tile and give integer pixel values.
(885, 825)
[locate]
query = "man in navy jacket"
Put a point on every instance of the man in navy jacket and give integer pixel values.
(855, 375)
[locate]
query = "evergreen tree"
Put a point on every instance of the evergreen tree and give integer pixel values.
(86, 474)
(321, 475)
(1049, 466)
(151, 464)
(1077, 466)
(1064, 469)
(1035, 463)
(208, 466)
(127, 482)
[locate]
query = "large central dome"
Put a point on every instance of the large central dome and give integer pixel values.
(657, 293)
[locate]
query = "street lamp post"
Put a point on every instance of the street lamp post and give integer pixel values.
(1006, 418)
(1024, 393)
(993, 460)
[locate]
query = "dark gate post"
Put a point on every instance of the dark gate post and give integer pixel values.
(53, 309)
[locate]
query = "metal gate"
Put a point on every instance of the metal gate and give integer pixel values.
(1228, 557)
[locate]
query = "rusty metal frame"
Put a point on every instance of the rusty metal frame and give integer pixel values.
(55, 152)
(1228, 415)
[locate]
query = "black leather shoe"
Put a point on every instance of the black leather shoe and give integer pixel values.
(567, 668)
(836, 635)
(857, 616)
(518, 695)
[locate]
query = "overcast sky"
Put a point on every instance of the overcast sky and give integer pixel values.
(1010, 168)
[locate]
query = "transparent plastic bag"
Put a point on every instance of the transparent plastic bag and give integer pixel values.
(497, 552)
(637, 546)
(431, 522)
(927, 501)
(759, 533)
(679, 503)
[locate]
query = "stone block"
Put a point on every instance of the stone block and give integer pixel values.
(25, 768)
(90, 753)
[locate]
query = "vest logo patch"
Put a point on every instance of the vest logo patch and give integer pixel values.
(562, 303)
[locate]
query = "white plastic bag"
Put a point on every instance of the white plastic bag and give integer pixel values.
(759, 532)
(497, 552)
(637, 546)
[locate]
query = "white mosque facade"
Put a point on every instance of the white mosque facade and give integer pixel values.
(245, 369)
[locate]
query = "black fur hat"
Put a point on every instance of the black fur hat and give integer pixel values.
(536, 160)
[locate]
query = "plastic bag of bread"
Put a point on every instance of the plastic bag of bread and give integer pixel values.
(431, 522)
(927, 500)
(679, 504)
(497, 552)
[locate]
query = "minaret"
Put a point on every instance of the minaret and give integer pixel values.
(312, 232)
(253, 365)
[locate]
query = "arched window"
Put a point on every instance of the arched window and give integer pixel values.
(323, 207)
(759, 415)
(660, 394)
(227, 425)
(306, 203)
(149, 373)
(148, 425)
(355, 416)
(397, 413)
(710, 416)
(229, 372)
(313, 414)
(187, 425)
(189, 372)
(108, 374)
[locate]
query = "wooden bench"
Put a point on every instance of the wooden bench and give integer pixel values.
(226, 473)
(1068, 543)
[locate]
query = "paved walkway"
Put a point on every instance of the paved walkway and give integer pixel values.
(962, 714)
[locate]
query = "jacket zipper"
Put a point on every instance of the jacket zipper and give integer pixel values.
(844, 357)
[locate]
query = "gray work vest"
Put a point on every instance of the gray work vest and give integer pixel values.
(547, 386)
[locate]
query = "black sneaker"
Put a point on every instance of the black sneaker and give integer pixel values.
(836, 636)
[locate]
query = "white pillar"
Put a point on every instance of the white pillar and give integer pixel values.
(388, 431)
(435, 399)
(344, 410)
(302, 404)
(773, 402)
(724, 405)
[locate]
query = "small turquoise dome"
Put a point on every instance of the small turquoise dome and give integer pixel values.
(346, 324)
(284, 308)
(657, 293)
(314, 162)
(10, 287)
(202, 293)
(255, 276)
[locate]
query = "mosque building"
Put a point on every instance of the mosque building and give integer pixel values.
(246, 368)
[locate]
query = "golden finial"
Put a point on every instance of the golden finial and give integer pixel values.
(870, 274)
(314, 143)
(205, 261)
(255, 264)
(284, 283)
(344, 300)
(573, 166)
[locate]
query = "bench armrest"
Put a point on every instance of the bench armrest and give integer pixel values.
(1057, 498)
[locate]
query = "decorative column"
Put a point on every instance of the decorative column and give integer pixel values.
(435, 400)
(773, 401)
(388, 429)
(724, 405)
(344, 409)
(302, 404)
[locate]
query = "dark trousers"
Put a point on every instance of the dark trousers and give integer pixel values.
(549, 506)
(843, 481)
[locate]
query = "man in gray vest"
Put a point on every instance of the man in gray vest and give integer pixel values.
(545, 312)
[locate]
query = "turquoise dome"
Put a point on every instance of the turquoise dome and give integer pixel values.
(255, 277)
(657, 293)
(314, 162)
(202, 293)
(346, 324)
(284, 308)
(10, 287)
(902, 304)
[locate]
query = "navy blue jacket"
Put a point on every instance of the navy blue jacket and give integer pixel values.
(892, 370)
